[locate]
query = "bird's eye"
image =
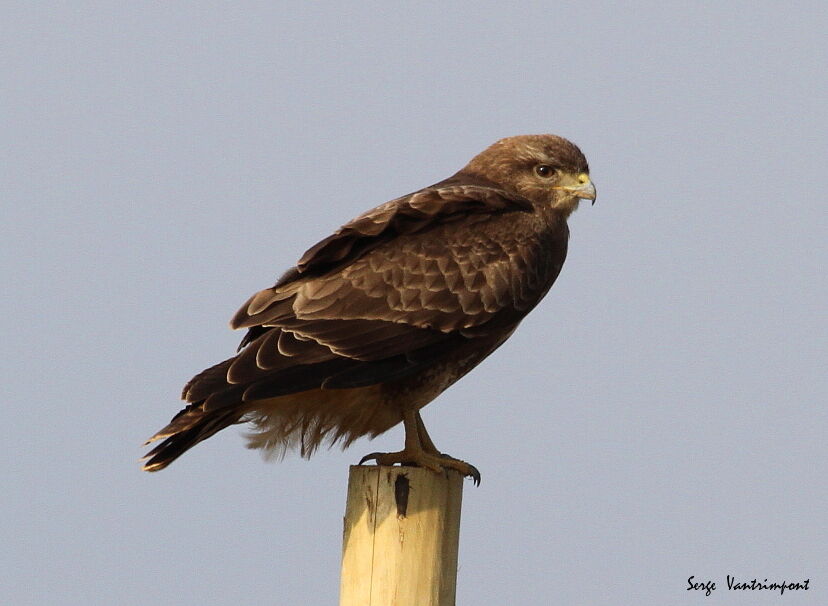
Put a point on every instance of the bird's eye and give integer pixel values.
(544, 171)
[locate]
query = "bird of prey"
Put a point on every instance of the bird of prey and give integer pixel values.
(376, 320)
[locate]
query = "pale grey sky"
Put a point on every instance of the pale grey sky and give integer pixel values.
(661, 414)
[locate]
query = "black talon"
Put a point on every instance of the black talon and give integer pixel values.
(475, 475)
(367, 457)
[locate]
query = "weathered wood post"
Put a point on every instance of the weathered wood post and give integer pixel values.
(402, 532)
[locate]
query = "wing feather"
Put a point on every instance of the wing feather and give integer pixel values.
(410, 276)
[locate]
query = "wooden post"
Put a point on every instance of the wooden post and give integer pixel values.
(402, 532)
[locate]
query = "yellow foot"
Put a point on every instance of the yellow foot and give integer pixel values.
(435, 462)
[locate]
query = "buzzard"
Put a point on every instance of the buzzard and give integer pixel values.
(376, 320)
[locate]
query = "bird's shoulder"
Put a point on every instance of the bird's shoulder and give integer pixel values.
(462, 246)
(452, 200)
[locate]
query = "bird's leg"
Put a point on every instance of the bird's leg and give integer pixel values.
(420, 451)
(425, 439)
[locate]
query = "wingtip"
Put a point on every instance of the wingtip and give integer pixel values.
(156, 437)
(153, 462)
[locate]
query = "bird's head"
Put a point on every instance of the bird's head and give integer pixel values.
(545, 169)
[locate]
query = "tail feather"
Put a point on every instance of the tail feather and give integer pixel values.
(185, 431)
(308, 397)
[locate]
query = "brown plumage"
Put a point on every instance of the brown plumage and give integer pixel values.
(379, 318)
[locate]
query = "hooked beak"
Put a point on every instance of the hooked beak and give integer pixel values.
(584, 189)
